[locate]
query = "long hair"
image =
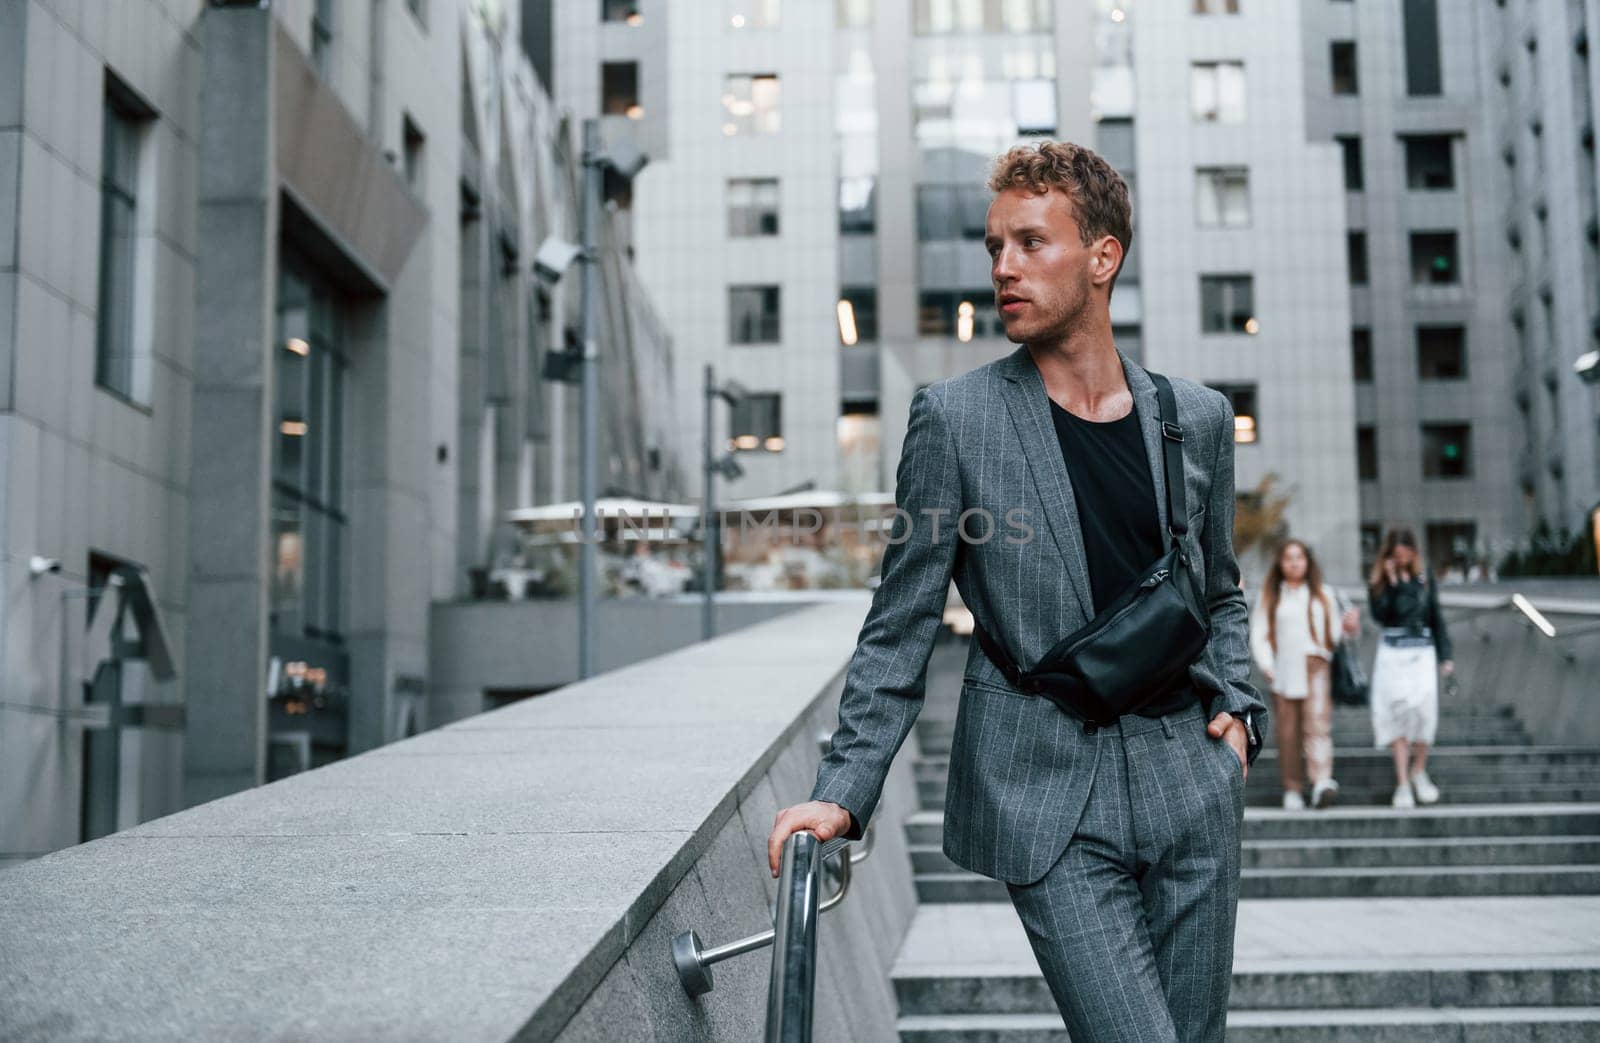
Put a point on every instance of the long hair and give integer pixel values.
(1398, 536)
(1272, 591)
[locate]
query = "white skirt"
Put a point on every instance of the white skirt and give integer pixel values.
(1405, 689)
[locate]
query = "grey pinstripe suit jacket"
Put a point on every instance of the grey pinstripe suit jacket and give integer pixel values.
(1019, 769)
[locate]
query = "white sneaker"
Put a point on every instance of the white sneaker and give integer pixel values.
(1293, 801)
(1324, 793)
(1427, 792)
(1403, 798)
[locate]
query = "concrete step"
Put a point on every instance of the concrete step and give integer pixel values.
(1388, 969)
(1459, 821)
(1438, 1025)
(1471, 729)
(1288, 985)
(1453, 852)
(931, 794)
(1471, 763)
(1450, 852)
(1386, 882)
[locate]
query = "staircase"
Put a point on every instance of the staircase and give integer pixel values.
(1475, 919)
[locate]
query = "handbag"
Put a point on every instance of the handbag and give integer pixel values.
(1349, 682)
(1133, 650)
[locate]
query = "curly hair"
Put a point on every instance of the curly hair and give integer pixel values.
(1099, 196)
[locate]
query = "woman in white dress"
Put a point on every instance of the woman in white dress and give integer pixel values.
(1292, 639)
(1413, 651)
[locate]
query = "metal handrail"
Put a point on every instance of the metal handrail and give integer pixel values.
(799, 883)
(792, 988)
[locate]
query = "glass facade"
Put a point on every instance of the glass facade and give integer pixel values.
(750, 103)
(119, 209)
(754, 314)
(752, 207)
(983, 78)
(1227, 304)
(309, 525)
(1222, 197)
(1217, 92)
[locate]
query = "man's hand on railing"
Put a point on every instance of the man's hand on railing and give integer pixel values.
(824, 819)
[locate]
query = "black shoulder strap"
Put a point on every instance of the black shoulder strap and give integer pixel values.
(1172, 457)
(998, 656)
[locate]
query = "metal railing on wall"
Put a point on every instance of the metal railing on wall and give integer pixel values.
(793, 936)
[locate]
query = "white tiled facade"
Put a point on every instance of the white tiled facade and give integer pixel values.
(1292, 247)
(685, 257)
(1397, 402)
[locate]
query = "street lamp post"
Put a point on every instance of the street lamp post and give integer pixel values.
(731, 392)
(588, 233)
(709, 541)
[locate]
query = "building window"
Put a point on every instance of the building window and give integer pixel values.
(946, 212)
(1216, 92)
(309, 526)
(1356, 257)
(1433, 258)
(1216, 6)
(1428, 162)
(1033, 105)
(321, 36)
(858, 210)
(619, 89)
(1361, 355)
(1342, 60)
(1227, 304)
(753, 14)
(1113, 139)
(1367, 453)
(1242, 399)
(1452, 547)
(750, 104)
(752, 207)
(854, 14)
(1222, 197)
(757, 423)
(1420, 19)
(1350, 147)
(858, 314)
(1441, 352)
(934, 17)
(119, 365)
(412, 140)
(753, 314)
(626, 11)
(1371, 540)
(964, 314)
(1446, 450)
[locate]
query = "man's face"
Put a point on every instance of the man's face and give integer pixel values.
(1043, 275)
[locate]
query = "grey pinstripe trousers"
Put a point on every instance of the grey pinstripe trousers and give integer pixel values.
(1133, 925)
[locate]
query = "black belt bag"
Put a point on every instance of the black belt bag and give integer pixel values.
(1144, 640)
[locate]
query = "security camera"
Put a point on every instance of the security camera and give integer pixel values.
(1588, 367)
(555, 256)
(38, 565)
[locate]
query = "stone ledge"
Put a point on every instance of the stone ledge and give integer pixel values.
(473, 882)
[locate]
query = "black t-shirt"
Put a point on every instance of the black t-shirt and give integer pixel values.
(1116, 497)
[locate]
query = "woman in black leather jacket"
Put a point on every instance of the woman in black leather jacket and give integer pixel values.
(1413, 651)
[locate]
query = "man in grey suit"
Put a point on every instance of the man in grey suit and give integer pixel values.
(1036, 482)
